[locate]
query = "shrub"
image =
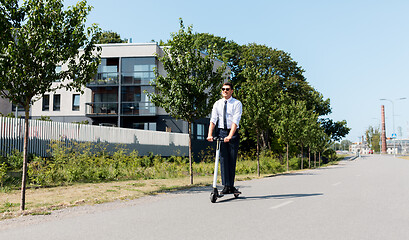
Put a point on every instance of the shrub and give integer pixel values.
(15, 159)
(3, 173)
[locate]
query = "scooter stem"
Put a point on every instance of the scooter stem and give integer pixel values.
(216, 163)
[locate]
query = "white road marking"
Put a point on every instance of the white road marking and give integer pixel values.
(281, 205)
(336, 184)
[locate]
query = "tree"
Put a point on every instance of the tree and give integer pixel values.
(40, 36)
(307, 121)
(191, 84)
(257, 95)
(373, 137)
(110, 37)
(336, 130)
(345, 144)
(226, 50)
(288, 122)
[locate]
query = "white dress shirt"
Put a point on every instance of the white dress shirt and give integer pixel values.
(234, 111)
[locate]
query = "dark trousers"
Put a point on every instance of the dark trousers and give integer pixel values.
(228, 157)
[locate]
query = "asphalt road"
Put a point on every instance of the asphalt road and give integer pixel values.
(367, 198)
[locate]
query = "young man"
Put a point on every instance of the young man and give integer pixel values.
(226, 114)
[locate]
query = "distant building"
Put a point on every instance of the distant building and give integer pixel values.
(396, 146)
(359, 147)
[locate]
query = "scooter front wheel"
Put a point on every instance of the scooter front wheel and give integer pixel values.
(213, 197)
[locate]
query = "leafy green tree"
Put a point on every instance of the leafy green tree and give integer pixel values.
(110, 37)
(257, 95)
(40, 36)
(225, 50)
(288, 122)
(191, 84)
(373, 137)
(345, 144)
(307, 119)
(336, 130)
(255, 117)
(315, 141)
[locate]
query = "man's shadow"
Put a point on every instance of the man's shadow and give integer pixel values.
(279, 196)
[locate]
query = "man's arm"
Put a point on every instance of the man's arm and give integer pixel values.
(210, 133)
(231, 133)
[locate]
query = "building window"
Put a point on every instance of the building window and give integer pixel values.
(76, 102)
(138, 70)
(46, 102)
(200, 131)
(56, 102)
(107, 71)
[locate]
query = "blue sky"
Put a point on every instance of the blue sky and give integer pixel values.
(354, 52)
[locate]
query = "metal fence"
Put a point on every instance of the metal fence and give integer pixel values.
(42, 133)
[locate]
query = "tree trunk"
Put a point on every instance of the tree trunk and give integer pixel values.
(263, 139)
(287, 157)
(309, 157)
(190, 152)
(319, 159)
(315, 159)
(25, 154)
(258, 153)
(302, 157)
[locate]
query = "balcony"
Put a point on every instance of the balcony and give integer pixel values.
(138, 109)
(102, 108)
(110, 109)
(105, 79)
(137, 78)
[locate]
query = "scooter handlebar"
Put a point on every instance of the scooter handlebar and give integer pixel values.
(218, 138)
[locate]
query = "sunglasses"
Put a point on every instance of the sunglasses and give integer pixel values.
(225, 89)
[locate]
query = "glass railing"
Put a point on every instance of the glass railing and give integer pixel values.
(105, 79)
(102, 108)
(134, 78)
(137, 78)
(138, 108)
(127, 108)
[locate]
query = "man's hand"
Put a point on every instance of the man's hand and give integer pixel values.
(227, 139)
(210, 138)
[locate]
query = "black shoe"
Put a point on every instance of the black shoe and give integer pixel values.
(234, 190)
(225, 190)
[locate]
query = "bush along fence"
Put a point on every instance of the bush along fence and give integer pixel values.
(42, 133)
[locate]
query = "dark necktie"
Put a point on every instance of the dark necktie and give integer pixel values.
(225, 115)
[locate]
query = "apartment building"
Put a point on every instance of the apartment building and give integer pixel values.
(117, 96)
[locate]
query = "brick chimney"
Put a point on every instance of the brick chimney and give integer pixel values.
(383, 136)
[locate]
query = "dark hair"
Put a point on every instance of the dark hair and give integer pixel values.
(228, 84)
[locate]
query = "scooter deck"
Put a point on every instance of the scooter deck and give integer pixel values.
(217, 194)
(236, 194)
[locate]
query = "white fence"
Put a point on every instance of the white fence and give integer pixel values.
(41, 133)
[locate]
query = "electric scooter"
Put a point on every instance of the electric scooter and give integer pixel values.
(214, 195)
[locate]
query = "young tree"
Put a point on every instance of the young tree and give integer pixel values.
(373, 136)
(288, 122)
(345, 144)
(258, 93)
(308, 119)
(40, 36)
(191, 85)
